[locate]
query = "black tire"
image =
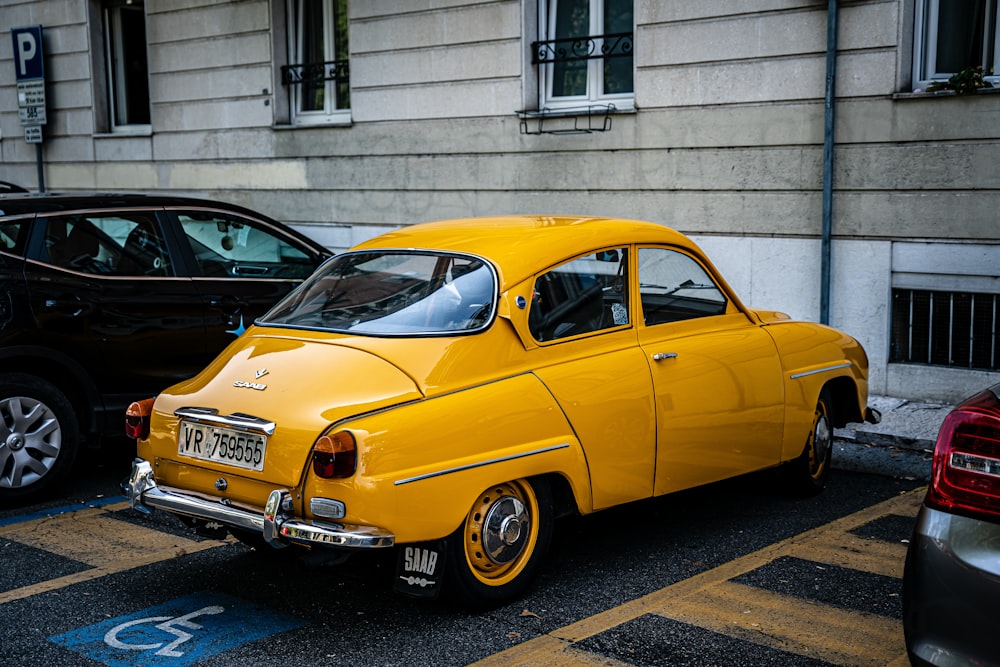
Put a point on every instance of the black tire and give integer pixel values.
(807, 475)
(515, 520)
(39, 436)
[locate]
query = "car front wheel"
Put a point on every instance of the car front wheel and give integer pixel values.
(497, 551)
(38, 435)
(807, 474)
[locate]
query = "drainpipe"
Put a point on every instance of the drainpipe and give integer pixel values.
(831, 80)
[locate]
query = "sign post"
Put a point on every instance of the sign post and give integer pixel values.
(29, 72)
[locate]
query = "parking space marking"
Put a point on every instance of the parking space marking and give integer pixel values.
(92, 537)
(572, 657)
(792, 624)
(177, 633)
(856, 553)
(55, 511)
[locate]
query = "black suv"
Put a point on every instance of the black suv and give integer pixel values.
(106, 298)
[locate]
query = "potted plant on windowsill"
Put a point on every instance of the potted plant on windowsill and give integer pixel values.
(966, 82)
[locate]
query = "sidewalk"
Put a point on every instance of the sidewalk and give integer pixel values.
(901, 445)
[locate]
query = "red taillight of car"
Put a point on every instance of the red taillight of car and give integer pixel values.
(137, 419)
(335, 455)
(966, 472)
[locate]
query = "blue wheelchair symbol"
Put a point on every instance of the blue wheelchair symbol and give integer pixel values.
(177, 633)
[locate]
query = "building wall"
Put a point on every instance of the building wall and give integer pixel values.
(726, 144)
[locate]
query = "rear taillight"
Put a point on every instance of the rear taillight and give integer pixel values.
(335, 455)
(137, 419)
(966, 472)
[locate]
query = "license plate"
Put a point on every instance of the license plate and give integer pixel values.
(225, 445)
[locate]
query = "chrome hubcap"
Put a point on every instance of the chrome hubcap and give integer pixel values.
(505, 530)
(822, 441)
(30, 441)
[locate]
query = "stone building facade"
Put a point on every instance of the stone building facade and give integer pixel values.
(876, 212)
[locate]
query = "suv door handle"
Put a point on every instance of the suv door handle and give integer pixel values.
(661, 356)
(71, 307)
(228, 304)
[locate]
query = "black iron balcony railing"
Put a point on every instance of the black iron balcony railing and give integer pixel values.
(333, 70)
(617, 45)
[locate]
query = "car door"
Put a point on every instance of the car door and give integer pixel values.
(104, 290)
(588, 358)
(716, 375)
(242, 267)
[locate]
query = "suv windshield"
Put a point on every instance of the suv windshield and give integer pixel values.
(392, 293)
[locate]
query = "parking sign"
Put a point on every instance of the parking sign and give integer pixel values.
(29, 72)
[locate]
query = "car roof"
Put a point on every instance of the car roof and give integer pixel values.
(46, 202)
(521, 245)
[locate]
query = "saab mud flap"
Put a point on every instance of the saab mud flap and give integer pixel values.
(208, 529)
(420, 569)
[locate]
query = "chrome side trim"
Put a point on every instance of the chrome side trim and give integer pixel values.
(470, 466)
(273, 524)
(825, 369)
(237, 420)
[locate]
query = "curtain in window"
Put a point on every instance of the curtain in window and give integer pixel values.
(587, 20)
(128, 71)
(322, 38)
(569, 78)
(312, 51)
(618, 70)
(960, 34)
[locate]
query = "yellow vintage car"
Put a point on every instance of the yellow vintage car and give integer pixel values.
(450, 388)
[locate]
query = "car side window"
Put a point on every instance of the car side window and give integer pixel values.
(674, 287)
(584, 295)
(13, 235)
(227, 246)
(122, 244)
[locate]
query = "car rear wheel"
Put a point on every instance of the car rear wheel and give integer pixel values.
(38, 435)
(807, 474)
(497, 550)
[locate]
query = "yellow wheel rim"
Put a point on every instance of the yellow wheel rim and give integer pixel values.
(501, 531)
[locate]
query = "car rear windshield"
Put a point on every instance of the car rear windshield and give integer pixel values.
(392, 293)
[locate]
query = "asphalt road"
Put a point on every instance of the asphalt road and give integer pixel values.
(733, 574)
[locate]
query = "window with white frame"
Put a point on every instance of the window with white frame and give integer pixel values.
(127, 69)
(584, 54)
(319, 78)
(952, 36)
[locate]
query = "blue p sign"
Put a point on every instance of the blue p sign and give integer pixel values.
(28, 63)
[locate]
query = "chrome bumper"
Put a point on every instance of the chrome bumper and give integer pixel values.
(277, 527)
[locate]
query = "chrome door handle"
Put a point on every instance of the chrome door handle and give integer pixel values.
(660, 356)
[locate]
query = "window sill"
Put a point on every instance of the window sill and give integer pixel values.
(285, 127)
(922, 94)
(338, 118)
(127, 131)
(340, 122)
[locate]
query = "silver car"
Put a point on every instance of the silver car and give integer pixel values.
(951, 583)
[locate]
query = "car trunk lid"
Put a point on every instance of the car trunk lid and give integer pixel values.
(284, 391)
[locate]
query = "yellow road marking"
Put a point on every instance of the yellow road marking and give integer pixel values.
(553, 646)
(92, 537)
(791, 624)
(856, 553)
(574, 658)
